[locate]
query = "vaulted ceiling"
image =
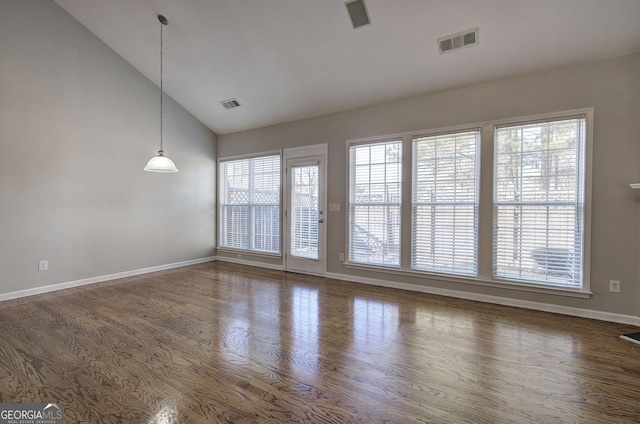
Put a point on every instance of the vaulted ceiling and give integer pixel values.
(291, 59)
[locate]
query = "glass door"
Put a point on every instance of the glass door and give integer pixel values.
(305, 215)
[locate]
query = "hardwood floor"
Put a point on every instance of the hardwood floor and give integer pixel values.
(218, 342)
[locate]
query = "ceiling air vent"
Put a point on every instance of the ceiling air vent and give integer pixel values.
(456, 41)
(358, 13)
(231, 103)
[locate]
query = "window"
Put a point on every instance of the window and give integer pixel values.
(539, 205)
(375, 196)
(250, 204)
(539, 202)
(445, 203)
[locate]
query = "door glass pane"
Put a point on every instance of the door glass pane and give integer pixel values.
(304, 212)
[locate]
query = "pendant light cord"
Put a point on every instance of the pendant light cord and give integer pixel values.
(161, 163)
(161, 89)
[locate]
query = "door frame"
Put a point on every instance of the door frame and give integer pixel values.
(301, 154)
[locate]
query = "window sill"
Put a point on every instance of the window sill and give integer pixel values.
(242, 252)
(475, 281)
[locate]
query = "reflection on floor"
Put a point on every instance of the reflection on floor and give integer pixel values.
(218, 342)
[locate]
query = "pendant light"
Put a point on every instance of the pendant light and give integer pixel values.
(161, 163)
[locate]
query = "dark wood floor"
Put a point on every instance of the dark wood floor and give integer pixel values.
(219, 342)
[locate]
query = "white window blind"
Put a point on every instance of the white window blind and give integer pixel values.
(250, 204)
(539, 202)
(445, 203)
(304, 211)
(375, 196)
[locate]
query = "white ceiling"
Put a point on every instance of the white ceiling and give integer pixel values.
(291, 59)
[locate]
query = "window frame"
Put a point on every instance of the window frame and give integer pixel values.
(586, 152)
(221, 204)
(486, 165)
(436, 205)
(372, 142)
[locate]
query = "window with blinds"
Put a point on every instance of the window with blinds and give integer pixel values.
(249, 215)
(445, 203)
(539, 202)
(375, 197)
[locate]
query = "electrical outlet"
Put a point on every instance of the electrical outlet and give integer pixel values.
(614, 286)
(341, 256)
(43, 265)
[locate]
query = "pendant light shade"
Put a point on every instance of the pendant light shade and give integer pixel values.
(161, 163)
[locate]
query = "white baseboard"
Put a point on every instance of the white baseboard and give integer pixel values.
(525, 304)
(545, 307)
(249, 263)
(99, 279)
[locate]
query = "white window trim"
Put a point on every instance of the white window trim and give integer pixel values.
(478, 152)
(475, 282)
(588, 150)
(370, 141)
(253, 253)
(484, 278)
(218, 204)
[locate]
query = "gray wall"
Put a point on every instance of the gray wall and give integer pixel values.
(611, 87)
(77, 125)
